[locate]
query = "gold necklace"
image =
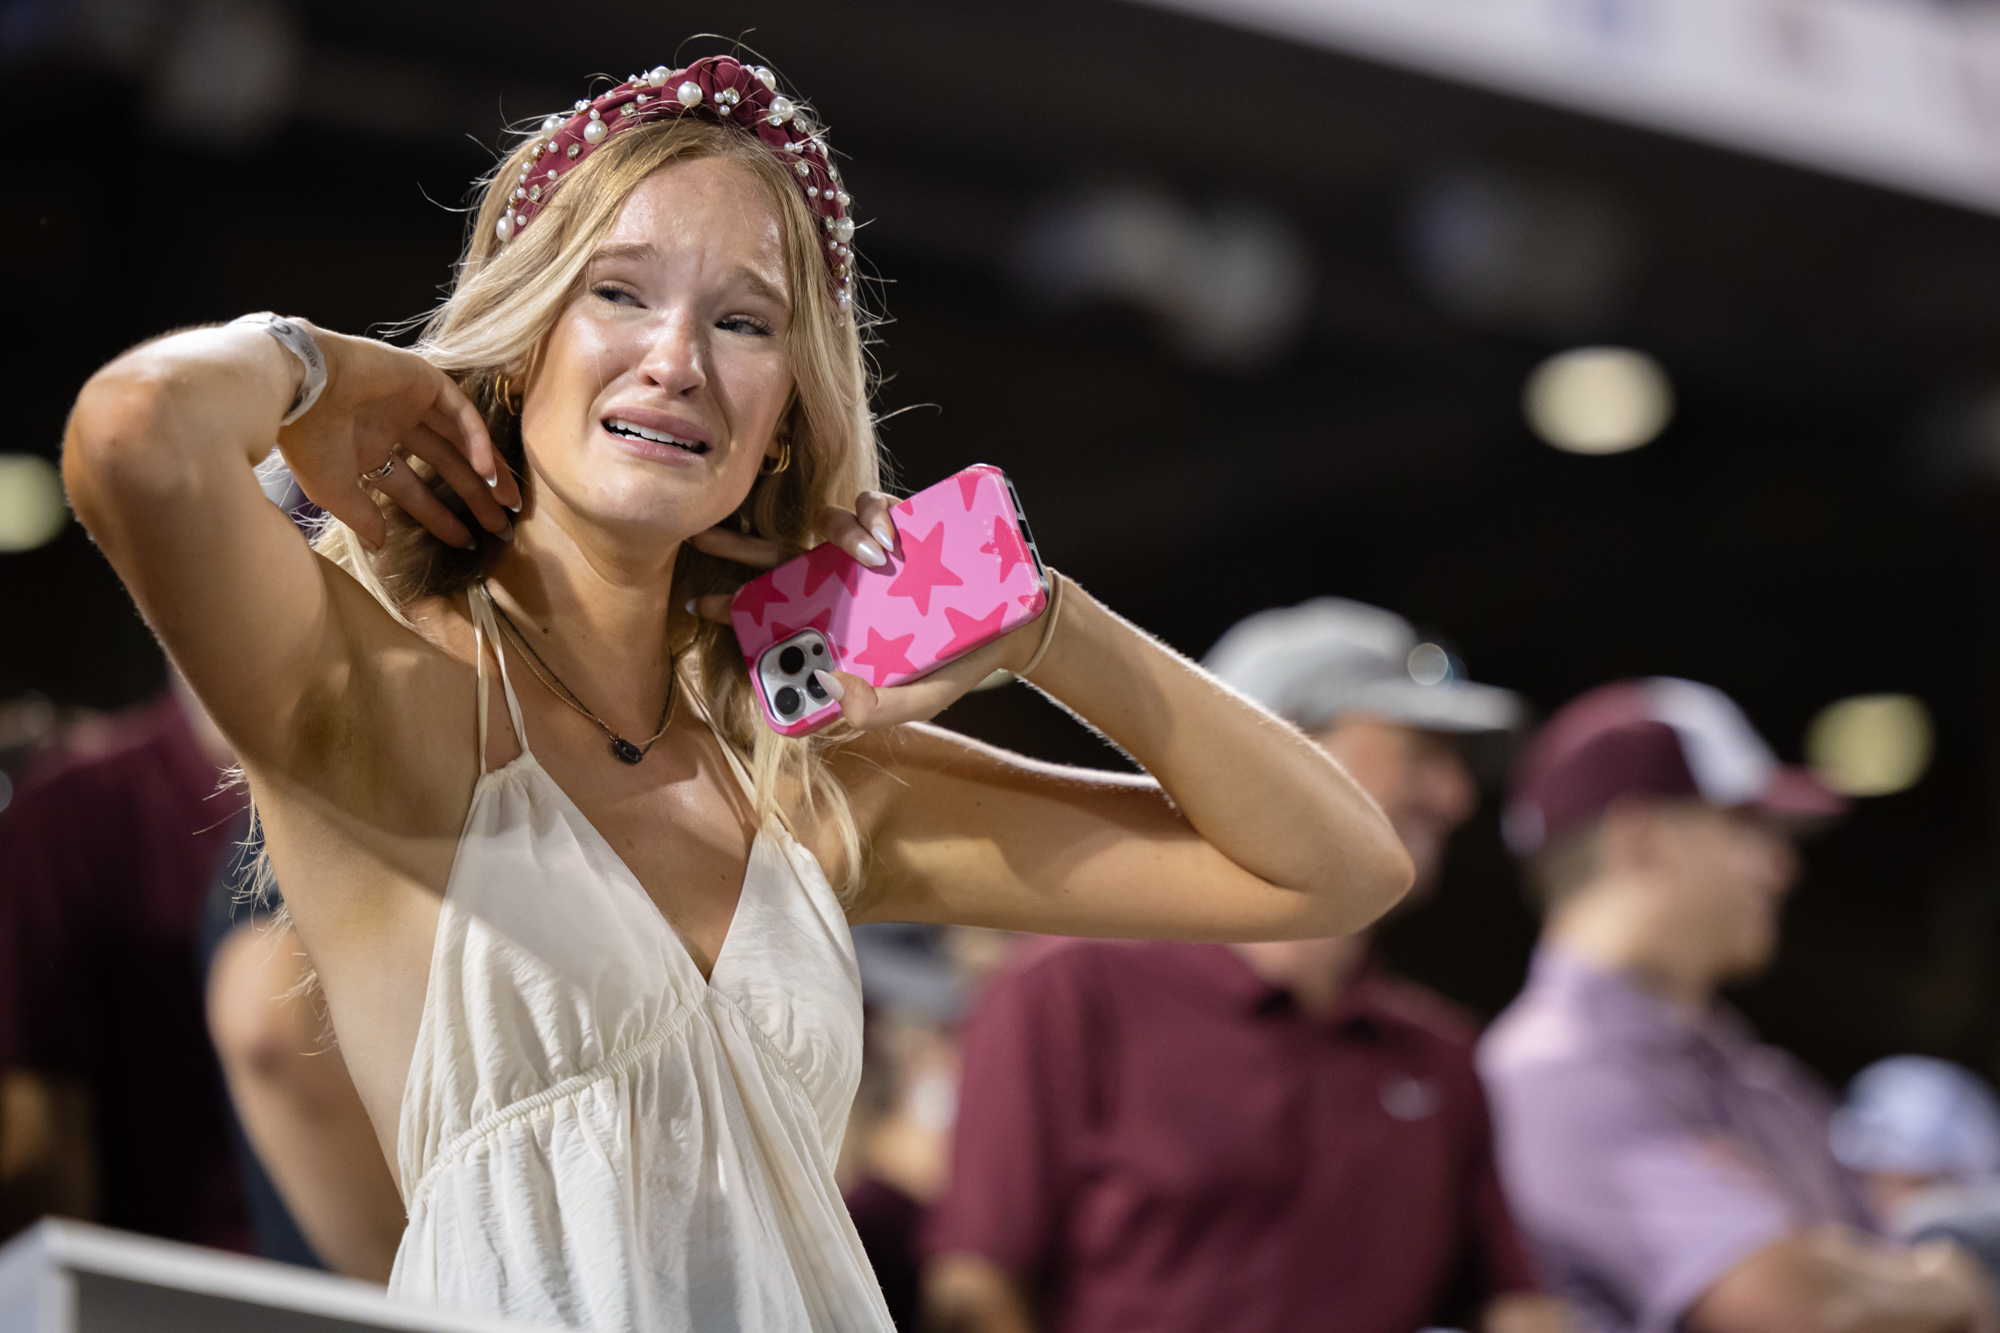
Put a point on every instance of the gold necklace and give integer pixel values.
(620, 747)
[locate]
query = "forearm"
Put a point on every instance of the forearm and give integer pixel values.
(1255, 788)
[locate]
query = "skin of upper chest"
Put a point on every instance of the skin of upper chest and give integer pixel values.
(678, 819)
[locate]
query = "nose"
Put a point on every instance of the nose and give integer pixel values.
(675, 358)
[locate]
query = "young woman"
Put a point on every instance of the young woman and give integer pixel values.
(580, 917)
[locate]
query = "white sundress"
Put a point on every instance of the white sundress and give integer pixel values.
(595, 1136)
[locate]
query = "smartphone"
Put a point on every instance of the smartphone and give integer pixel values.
(967, 573)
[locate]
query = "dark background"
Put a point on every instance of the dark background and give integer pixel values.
(1818, 520)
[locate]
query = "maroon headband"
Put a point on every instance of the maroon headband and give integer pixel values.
(721, 89)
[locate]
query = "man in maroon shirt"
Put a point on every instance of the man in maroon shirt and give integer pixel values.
(1164, 1137)
(111, 1106)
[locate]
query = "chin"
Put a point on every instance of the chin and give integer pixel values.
(680, 502)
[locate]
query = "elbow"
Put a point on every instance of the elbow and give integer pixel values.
(1392, 874)
(110, 444)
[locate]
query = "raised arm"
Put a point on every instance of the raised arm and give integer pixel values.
(1245, 830)
(159, 457)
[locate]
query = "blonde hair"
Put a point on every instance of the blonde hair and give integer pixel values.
(501, 308)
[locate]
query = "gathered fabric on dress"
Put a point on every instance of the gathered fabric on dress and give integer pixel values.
(595, 1135)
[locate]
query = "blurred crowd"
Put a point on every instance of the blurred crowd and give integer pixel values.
(1091, 1135)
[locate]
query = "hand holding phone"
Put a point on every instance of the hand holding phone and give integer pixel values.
(967, 573)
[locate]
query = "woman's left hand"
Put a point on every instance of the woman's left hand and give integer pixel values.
(866, 532)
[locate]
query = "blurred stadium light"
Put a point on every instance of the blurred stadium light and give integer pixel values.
(1871, 744)
(1598, 400)
(32, 507)
(1898, 92)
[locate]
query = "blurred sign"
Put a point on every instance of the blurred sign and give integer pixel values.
(1901, 93)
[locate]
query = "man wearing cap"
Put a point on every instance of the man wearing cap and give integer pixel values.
(1272, 1137)
(1672, 1172)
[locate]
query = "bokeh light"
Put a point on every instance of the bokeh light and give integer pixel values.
(1871, 744)
(1598, 400)
(32, 508)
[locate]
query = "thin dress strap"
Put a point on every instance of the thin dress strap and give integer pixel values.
(729, 754)
(484, 628)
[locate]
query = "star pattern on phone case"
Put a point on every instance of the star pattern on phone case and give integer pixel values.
(885, 657)
(829, 561)
(781, 631)
(969, 632)
(1007, 545)
(924, 569)
(756, 597)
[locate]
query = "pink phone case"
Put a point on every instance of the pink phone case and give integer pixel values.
(968, 573)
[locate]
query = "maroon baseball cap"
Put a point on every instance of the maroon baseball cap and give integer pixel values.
(1658, 737)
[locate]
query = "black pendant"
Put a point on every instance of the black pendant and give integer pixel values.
(625, 750)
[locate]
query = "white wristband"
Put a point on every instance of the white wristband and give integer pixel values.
(293, 337)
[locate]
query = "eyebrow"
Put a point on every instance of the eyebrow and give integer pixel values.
(646, 251)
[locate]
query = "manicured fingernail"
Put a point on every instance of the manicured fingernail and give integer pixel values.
(884, 534)
(831, 684)
(689, 608)
(516, 506)
(471, 544)
(868, 553)
(506, 534)
(492, 476)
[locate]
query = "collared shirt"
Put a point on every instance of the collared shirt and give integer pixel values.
(1649, 1148)
(105, 865)
(1154, 1139)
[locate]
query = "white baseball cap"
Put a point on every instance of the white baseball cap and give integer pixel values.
(1322, 659)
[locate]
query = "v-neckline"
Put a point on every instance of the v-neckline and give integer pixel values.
(581, 824)
(489, 630)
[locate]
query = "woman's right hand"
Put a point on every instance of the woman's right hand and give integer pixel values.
(382, 402)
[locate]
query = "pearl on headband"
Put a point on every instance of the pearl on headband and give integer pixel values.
(720, 88)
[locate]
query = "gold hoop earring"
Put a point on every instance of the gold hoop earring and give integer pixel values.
(784, 460)
(503, 390)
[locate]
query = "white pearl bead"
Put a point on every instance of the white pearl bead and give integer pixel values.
(504, 228)
(658, 76)
(765, 77)
(594, 115)
(841, 198)
(552, 124)
(844, 229)
(689, 93)
(781, 110)
(581, 104)
(803, 169)
(595, 131)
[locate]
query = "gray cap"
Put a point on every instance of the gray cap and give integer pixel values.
(1313, 662)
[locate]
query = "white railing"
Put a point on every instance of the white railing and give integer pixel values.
(66, 1277)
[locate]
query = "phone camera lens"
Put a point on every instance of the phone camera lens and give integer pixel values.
(819, 650)
(815, 689)
(786, 701)
(791, 661)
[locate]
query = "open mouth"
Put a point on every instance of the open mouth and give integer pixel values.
(632, 432)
